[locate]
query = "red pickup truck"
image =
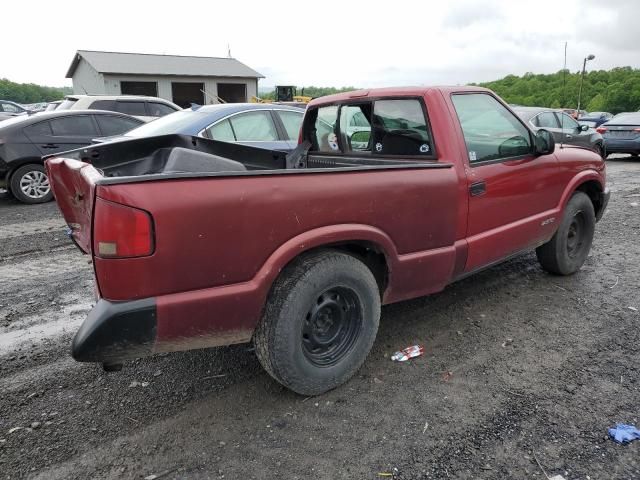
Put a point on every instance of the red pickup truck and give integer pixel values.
(391, 194)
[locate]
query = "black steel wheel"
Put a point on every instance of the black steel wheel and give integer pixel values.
(569, 247)
(319, 323)
(331, 326)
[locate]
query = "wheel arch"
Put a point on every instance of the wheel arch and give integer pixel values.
(589, 182)
(594, 190)
(368, 244)
(16, 164)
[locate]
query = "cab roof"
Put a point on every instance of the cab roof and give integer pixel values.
(392, 92)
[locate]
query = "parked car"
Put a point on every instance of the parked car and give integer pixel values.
(595, 119)
(10, 109)
(622, 133)
(24, 140)
(198, 243)
(564, 128)
(35, 107)
(144, 108)
(275, 127)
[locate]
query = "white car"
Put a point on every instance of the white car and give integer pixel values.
(143, 108)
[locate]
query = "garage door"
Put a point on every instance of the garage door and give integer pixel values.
(186, 93)
(232, 92)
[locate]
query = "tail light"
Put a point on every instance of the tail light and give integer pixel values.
(601, 129)
(120, 231)
(636, 129)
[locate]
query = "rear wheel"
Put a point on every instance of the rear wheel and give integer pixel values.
(320, 322)
(567, 250)
(30, 184)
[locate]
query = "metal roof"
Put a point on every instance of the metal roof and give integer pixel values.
(149, 64)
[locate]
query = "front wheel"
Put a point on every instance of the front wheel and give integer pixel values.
(319, 323)
(30, 184)
(567, 250)
(599, 148)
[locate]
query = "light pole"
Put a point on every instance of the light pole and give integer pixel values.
(584, 66)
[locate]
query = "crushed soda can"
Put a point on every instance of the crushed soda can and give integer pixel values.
(409, 352)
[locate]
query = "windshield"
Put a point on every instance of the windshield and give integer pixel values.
(66, 104)
(171, 123)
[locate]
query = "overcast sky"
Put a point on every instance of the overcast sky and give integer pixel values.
(329, 43)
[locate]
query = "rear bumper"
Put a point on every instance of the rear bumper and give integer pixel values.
(622, 146)
(604, 201)
(116, 331)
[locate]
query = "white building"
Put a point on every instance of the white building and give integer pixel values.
(179, 79)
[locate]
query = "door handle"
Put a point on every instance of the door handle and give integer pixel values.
(568, 136)
(50, 145)
(477, 188)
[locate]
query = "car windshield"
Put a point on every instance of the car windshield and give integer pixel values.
(171, 123)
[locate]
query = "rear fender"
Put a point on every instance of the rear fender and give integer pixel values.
(326, 237)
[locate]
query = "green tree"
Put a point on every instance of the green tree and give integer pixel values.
(616, 90)
(30, 92)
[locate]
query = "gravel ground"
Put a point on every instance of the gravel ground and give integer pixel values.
(522, 371)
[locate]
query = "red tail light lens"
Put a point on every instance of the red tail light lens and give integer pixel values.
(120, 231)
(601, 129)
(636, 129)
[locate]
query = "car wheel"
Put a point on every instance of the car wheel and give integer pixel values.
(319, 323)
(599, 148)
(30, 184)
(567, 250)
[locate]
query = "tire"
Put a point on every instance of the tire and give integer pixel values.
(599, 148)
(30, 184)
(319, 323)
(567, 250)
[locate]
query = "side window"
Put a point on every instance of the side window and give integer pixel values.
(254, 127)
(109, 105)
(491, 132)
(76, 126)
(547, 120)
(324, 138)
(400, 128)
(131, 108)
(38, 130)
(291, 122)
(157, 109)
(568, 123)
(355, 127)
(221, 131)
(8, 107)
(114, 125)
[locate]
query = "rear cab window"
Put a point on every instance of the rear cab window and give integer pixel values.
(378, 127)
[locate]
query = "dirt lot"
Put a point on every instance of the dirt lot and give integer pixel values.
(519, 366)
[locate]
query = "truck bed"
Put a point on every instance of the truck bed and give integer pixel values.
(179, 156)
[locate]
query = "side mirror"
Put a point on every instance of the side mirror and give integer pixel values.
(584, 128)
(545, 143)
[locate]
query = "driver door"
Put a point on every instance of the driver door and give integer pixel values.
(513, 193)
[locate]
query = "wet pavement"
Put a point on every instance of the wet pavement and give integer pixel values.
(520, 368)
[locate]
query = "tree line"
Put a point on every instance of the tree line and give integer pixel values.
(616, 90)
(30, 92)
